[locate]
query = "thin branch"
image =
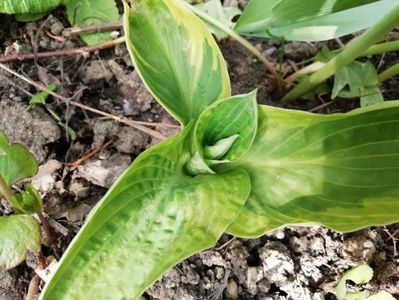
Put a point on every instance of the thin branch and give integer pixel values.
(92, 28)
(136, 124)
(320, 106)
(46, 228)
(83, 51)
(88, 155)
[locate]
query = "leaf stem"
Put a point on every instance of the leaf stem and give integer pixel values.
(350, 53)
(315, 66)
(382, 48)
(46, 228)
(389, 73)
(237, 37)
(5, 189)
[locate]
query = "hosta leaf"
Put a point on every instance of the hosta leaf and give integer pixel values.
(16, 162)
(92, 12)
(286, 12)
(152, 218)
(314, 20)
(338, 170)
(224, 119)
(176, 56)
(27, 6)
(18, 234)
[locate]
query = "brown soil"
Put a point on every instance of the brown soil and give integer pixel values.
(291, 263)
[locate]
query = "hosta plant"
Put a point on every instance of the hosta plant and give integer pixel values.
(19, 232)
(235, 167)
(313, 20)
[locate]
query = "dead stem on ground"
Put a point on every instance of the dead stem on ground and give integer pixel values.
(136, 124)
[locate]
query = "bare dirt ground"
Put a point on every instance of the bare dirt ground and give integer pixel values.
(291, 263)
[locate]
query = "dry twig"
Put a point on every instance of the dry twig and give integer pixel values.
(92, 28)
(33, 289)
(136, 124)
(88, 155)
(83, 51)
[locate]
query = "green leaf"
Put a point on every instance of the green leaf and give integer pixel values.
(286, 12)
(220, 148)
(152, 218)
(18, 234)
(27, 6)
(28, 201)
(29, 17)
(16, 162)
(41, 97)
(223, 120)
(358, 79)
(197, 166)
(224, 15)
(338, 170)
(176, 56)
(314, 20)
(92, 12)
(382, 296)
(256, 17)
(359, 275)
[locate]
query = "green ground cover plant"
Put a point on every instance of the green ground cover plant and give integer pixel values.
(19, 232)
(235, 167)
(79, 13)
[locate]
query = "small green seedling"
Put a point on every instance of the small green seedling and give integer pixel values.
(19, 232)
(355, 80)
(41, 98)
(235, 167)
(361, 274)
(79, 12)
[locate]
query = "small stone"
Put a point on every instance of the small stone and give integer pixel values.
(104, 172)
(95, 71)
(57, 27)
(45, 179)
